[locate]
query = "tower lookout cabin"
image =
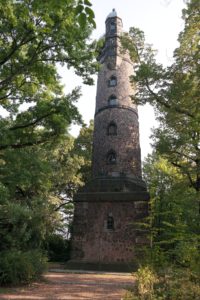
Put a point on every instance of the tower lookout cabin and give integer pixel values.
(104, 234)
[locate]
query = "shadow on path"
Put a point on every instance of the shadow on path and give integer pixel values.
(74, 286)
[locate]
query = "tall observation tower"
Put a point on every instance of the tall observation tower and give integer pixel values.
(104, 235)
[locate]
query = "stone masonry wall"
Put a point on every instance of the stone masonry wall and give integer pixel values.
(125, 143)
(100, 243)
(123, 112)
(123, 90)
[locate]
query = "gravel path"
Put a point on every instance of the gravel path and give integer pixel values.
(73, 286)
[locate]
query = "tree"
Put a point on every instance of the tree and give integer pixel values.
(37, 162)
(174, 92)
(33, 199)
(172, 172)
(83, 148)
(35, 38)
(72, 169)
(71, 165)
(171, 264)
(173, 214)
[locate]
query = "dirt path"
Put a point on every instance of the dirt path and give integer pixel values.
(95, 286)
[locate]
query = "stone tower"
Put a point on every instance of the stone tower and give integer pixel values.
(106, 208)
(116, 136)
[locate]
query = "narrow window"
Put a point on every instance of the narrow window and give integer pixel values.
(112, 26)
(112, 129)
(112, 100)
(111, 52)
(111, 157)
(110, 222)
(112, 81)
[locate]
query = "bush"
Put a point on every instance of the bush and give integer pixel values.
(171, 284)
(178, 284)
(144, 287)
(146, 280)
(58, 248)
(21, 267)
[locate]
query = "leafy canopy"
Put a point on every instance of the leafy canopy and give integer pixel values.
(35, 38)
(173, 92)
(39, 170)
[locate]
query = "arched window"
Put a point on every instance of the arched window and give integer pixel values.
(111, 157)
(112, 81)
(110, 222)
(112, 129)
(112, 100)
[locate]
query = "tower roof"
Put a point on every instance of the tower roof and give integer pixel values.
(112, 14)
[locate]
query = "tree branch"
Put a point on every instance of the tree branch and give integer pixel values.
(187, 173)
(167, 105)
(16, 46)
(33, 122)
(185, 155)
(28, 144)
(63, 204)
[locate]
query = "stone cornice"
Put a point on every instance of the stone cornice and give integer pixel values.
(116, 106)
(112, 197)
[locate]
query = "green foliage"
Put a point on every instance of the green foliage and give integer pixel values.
(34, 39)
(174, 93)
(172, 172)
(178, 284)
(146, 280)
(144, 286)
(174, 217)
(35, 192)
(21, 267)
(58, 248)
(171, 264)
(35, 198)
(83, 148)
(39, 169)
(174, 284)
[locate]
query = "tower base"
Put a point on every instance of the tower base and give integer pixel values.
(105, 228)
(101, 267)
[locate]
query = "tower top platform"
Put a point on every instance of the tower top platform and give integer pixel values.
(112, 14)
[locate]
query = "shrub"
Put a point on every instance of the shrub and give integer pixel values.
(144, 287)
(21, 267)
(172, 284)
(146, 280)
(58, 248)
(178, 284)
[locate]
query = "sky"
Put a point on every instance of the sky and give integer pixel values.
(161, 22)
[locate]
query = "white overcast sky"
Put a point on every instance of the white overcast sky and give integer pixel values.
(161, 22)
